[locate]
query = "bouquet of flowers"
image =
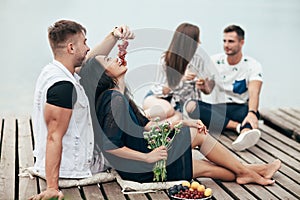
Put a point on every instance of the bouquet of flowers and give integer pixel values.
(160, 135)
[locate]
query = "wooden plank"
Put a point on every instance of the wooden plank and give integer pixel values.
(71, 193)
(271, 145)
(1, 166)
(92, 192)
(113, 191)
(27, 186)
(291, 173)
(289, 186)
(238, 191)
(280, 192)
(280, 188)
(271, 118)
(281, 146)
(278, 119)
(294, 164)
(159, 195)
(263, 155)
(280, 137)
(296, 115)
(296, 134)
(293, 113)
(137, 196)
(286, 121)
(297, 110)
(1, 134)
(281, 179)
(286, 117)
(260, 191)
(7, 163)
(42, 184)
(218, 192)
(226, 139)
(294, 128)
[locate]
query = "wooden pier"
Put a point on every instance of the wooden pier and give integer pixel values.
(278, 140)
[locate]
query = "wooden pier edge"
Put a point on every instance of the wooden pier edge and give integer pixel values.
(286, 120)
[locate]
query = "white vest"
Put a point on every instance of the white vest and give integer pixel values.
(78, 141)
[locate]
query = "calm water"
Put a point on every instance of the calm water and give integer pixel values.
(272, 37)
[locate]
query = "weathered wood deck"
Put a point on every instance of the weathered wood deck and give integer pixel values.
(16, 144)
(286, 120)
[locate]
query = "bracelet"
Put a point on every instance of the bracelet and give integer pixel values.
(255, 113)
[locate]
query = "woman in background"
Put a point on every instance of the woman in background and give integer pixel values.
(184, 72)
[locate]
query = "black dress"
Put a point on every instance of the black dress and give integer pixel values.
(120, 127)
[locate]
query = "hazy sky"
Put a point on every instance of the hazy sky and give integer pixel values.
(272, 37)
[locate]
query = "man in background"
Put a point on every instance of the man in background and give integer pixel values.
(239, 87)
(235, 98)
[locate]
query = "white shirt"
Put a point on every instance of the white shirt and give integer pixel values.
(200, 64)
(78, 141)
(232, 87)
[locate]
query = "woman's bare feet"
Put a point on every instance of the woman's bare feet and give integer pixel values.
(250, 176)
(266, 170)
(272, 168)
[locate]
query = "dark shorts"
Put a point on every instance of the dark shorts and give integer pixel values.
(217, 116)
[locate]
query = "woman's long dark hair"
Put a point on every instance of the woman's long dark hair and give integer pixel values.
(105, 83)
(180, 52)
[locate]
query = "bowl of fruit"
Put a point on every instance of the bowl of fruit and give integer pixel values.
(189, 190)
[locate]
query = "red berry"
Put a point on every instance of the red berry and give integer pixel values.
(122, 52)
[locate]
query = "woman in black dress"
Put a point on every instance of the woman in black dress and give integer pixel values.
(122, 126)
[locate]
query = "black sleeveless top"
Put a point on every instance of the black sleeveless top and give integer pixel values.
(120, 127)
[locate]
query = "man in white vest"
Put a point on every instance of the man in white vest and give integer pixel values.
(64, 136)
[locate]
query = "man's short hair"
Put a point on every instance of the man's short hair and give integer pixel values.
(234, 28)
(60, 31)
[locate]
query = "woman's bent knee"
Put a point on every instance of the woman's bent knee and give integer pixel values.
(157, 107)
(191, 106)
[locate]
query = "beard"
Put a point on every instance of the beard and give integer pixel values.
(79, 61)
(231, 52)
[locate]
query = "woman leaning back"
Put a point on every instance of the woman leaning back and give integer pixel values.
(123, 145)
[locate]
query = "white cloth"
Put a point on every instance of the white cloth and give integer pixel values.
(132, 187)
(128, 187)
(232, 87)
(200, 64)
(100, 177)
(78, 141)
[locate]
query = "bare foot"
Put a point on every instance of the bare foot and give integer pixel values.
(272, 168)
(251, 176)
(266, 170)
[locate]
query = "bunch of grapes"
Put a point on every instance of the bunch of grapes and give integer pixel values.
(188, 190)
(122, 52)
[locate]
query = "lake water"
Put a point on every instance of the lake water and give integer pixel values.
(272, 37)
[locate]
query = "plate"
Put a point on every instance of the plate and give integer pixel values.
(188, 191)
(178, 198)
